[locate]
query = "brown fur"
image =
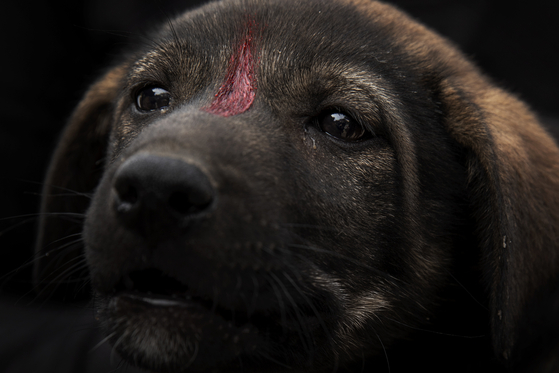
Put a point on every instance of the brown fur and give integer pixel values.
(459, 184)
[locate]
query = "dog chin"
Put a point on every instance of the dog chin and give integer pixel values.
(169, 335)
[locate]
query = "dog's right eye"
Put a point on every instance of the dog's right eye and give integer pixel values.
(343, 127)
(153, 98)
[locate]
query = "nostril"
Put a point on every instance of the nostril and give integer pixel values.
(179, 202)
(128, 194)
(185, 203)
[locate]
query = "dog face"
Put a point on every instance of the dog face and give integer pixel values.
(296, 186)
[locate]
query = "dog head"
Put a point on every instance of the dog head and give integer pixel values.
(286, 185)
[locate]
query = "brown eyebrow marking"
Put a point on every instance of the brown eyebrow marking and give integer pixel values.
(236, 93)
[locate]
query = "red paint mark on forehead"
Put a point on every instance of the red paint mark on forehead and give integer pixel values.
(236, 94)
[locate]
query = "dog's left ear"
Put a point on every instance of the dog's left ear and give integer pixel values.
(73, 174)
(513, 175)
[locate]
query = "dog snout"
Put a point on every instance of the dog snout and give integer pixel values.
(152, 191)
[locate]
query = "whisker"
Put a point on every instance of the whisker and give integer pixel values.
(303, 331)
(34, 258)
(283, 314)
(194, 355)
(347, 259)
(310, 226)
(435, 332)
(362, 362)
(114, 354)
(120, 366)
(59, 251)
(18, 224)
(74, 268)
(254, 295)
(384, 350)
(71, 192)
(85, 281)
(466, 290)
(251, 304)
(39, 214)
(103, 341)
(268, 357)
(316, 313)
(61, 247)
(241, 363)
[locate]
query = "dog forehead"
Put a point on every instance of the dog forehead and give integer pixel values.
(311, 29)
(276, 32)
(233, 52)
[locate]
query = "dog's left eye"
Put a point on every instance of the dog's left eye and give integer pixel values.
(342, 126)
(153, 98)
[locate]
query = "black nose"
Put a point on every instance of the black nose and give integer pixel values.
(154, 192)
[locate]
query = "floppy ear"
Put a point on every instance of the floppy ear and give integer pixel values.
(513, 174)
(73, 174)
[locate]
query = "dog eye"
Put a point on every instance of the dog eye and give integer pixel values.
(153, 98)
(342, 126)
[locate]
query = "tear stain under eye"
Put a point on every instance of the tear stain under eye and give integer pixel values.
(306, 140)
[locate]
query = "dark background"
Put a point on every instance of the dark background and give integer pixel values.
(50, 53)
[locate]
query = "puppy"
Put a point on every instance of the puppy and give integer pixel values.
(308, 186)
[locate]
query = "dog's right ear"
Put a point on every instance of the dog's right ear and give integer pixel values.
(73, 174)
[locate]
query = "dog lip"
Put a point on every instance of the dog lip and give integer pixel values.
(190, 304)
(189, 310)
(156, 300)
(143, 302)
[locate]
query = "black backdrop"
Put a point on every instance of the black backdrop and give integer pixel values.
(50, 52)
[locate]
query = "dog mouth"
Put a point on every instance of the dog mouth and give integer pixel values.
(152, 289)
(150, 308)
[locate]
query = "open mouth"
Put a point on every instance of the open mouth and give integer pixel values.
(154, 288)
(151, 288)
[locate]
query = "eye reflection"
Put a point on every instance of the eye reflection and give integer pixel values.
(153, 98)
(342, 126)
